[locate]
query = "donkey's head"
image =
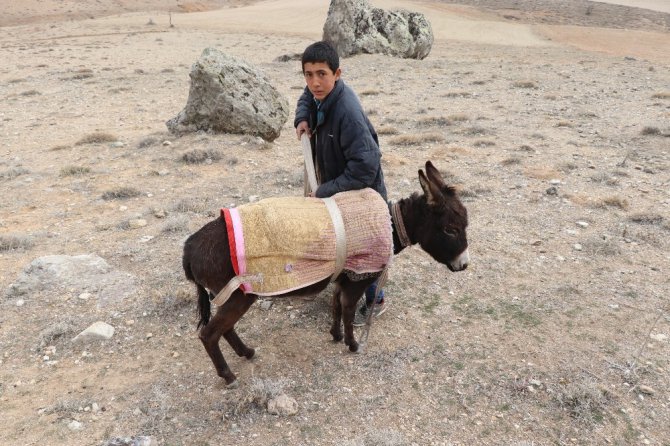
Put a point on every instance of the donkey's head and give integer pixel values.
(443, 221)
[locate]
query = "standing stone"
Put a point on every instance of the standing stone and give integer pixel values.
(354, 27)
(229, 96)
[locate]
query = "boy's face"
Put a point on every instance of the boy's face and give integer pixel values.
(320, 78)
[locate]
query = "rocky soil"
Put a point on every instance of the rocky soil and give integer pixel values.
(557, 333)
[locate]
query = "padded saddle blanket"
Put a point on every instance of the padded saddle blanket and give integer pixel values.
(283, 244)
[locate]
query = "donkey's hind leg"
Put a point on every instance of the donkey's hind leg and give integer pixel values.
(222, 324)
(336, 328)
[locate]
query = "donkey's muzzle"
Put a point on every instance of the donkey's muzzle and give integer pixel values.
(460, 263)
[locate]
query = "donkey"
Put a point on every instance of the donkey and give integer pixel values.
(436, 220)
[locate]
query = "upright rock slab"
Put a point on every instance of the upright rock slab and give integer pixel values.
(354, 27)
(229, 96)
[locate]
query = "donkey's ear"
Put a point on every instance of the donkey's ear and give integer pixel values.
(434, 175)
(433, 193)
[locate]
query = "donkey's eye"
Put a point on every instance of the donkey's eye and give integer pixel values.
(451, 232)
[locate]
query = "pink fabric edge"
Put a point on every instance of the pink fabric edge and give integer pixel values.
(239, 244)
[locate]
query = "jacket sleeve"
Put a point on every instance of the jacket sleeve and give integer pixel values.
(362, 159)
(302, 110)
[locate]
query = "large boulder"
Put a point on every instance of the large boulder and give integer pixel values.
(354, 27)
(86, 273)
(229, 96)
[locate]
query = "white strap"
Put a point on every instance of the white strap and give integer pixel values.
(232, 285)
(340, 236)
(309, 162)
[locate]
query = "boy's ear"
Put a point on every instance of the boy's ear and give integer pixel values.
(338, 73)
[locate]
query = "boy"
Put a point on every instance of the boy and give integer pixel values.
(344, 143)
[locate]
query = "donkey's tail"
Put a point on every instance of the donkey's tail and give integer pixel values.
(204, 308)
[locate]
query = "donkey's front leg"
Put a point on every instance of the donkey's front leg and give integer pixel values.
(336, 328)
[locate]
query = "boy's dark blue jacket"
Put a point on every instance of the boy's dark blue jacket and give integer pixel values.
(344, 142)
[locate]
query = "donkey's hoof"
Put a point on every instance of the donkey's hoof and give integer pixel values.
(353, 347)
(232, 385)
(250, 353)
(337, 337)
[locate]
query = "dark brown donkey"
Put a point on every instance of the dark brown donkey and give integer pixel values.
(436, 220)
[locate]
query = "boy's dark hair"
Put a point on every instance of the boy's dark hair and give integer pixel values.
(321, 52)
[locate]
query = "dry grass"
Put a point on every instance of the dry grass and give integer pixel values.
(97, 138)
(121, 193)
(387, 130)
(416, 139)
(200, 156)
(542, 173)
(661, 95)
(525, 84)
(69, 171)
(650, 131)
(13, 172)
(10, 242)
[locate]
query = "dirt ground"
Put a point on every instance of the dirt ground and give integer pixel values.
(557, 133)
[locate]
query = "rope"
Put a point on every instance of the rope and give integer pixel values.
(234, 284)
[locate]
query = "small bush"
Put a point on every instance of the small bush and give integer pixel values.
(525, 84)
(121, 193)
(13, 172)
(69, 171)
(652, 131)
(661, 95)
(387, 130)
(483, 143)
(430, 121)
(585, 402)
(31, 93)
(147, 142)
(96, 138)
(457, 94)
(416, 139)
(647, 219)
(11, 242)
(175, 223)
(199, 156)
(511, 161)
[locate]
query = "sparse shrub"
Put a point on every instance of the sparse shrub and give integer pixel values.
(175, 223)
(13, 172)
(585, 402)
(59, 147)
(457, 94)
(199, 156)
(483, 143)
(430, 121)
(416, 139)
(369, 92)
(189, 205)
(601, 246)
(96, 138)
(563, 124)
(647, 219)
(74, 171)
(258, 394)
(511, 161)
(147, 142)
(30, 93)
(458, 117)
(10, 242)
(615, 201)
(121, 193)
(474, 131)
(387, 130)
(63, 329)
(525, 84)
(661, 95)
(650, 131)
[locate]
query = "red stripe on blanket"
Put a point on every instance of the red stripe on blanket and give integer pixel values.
(225, 214)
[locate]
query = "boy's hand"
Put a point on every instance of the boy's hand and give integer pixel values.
(303, 127)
